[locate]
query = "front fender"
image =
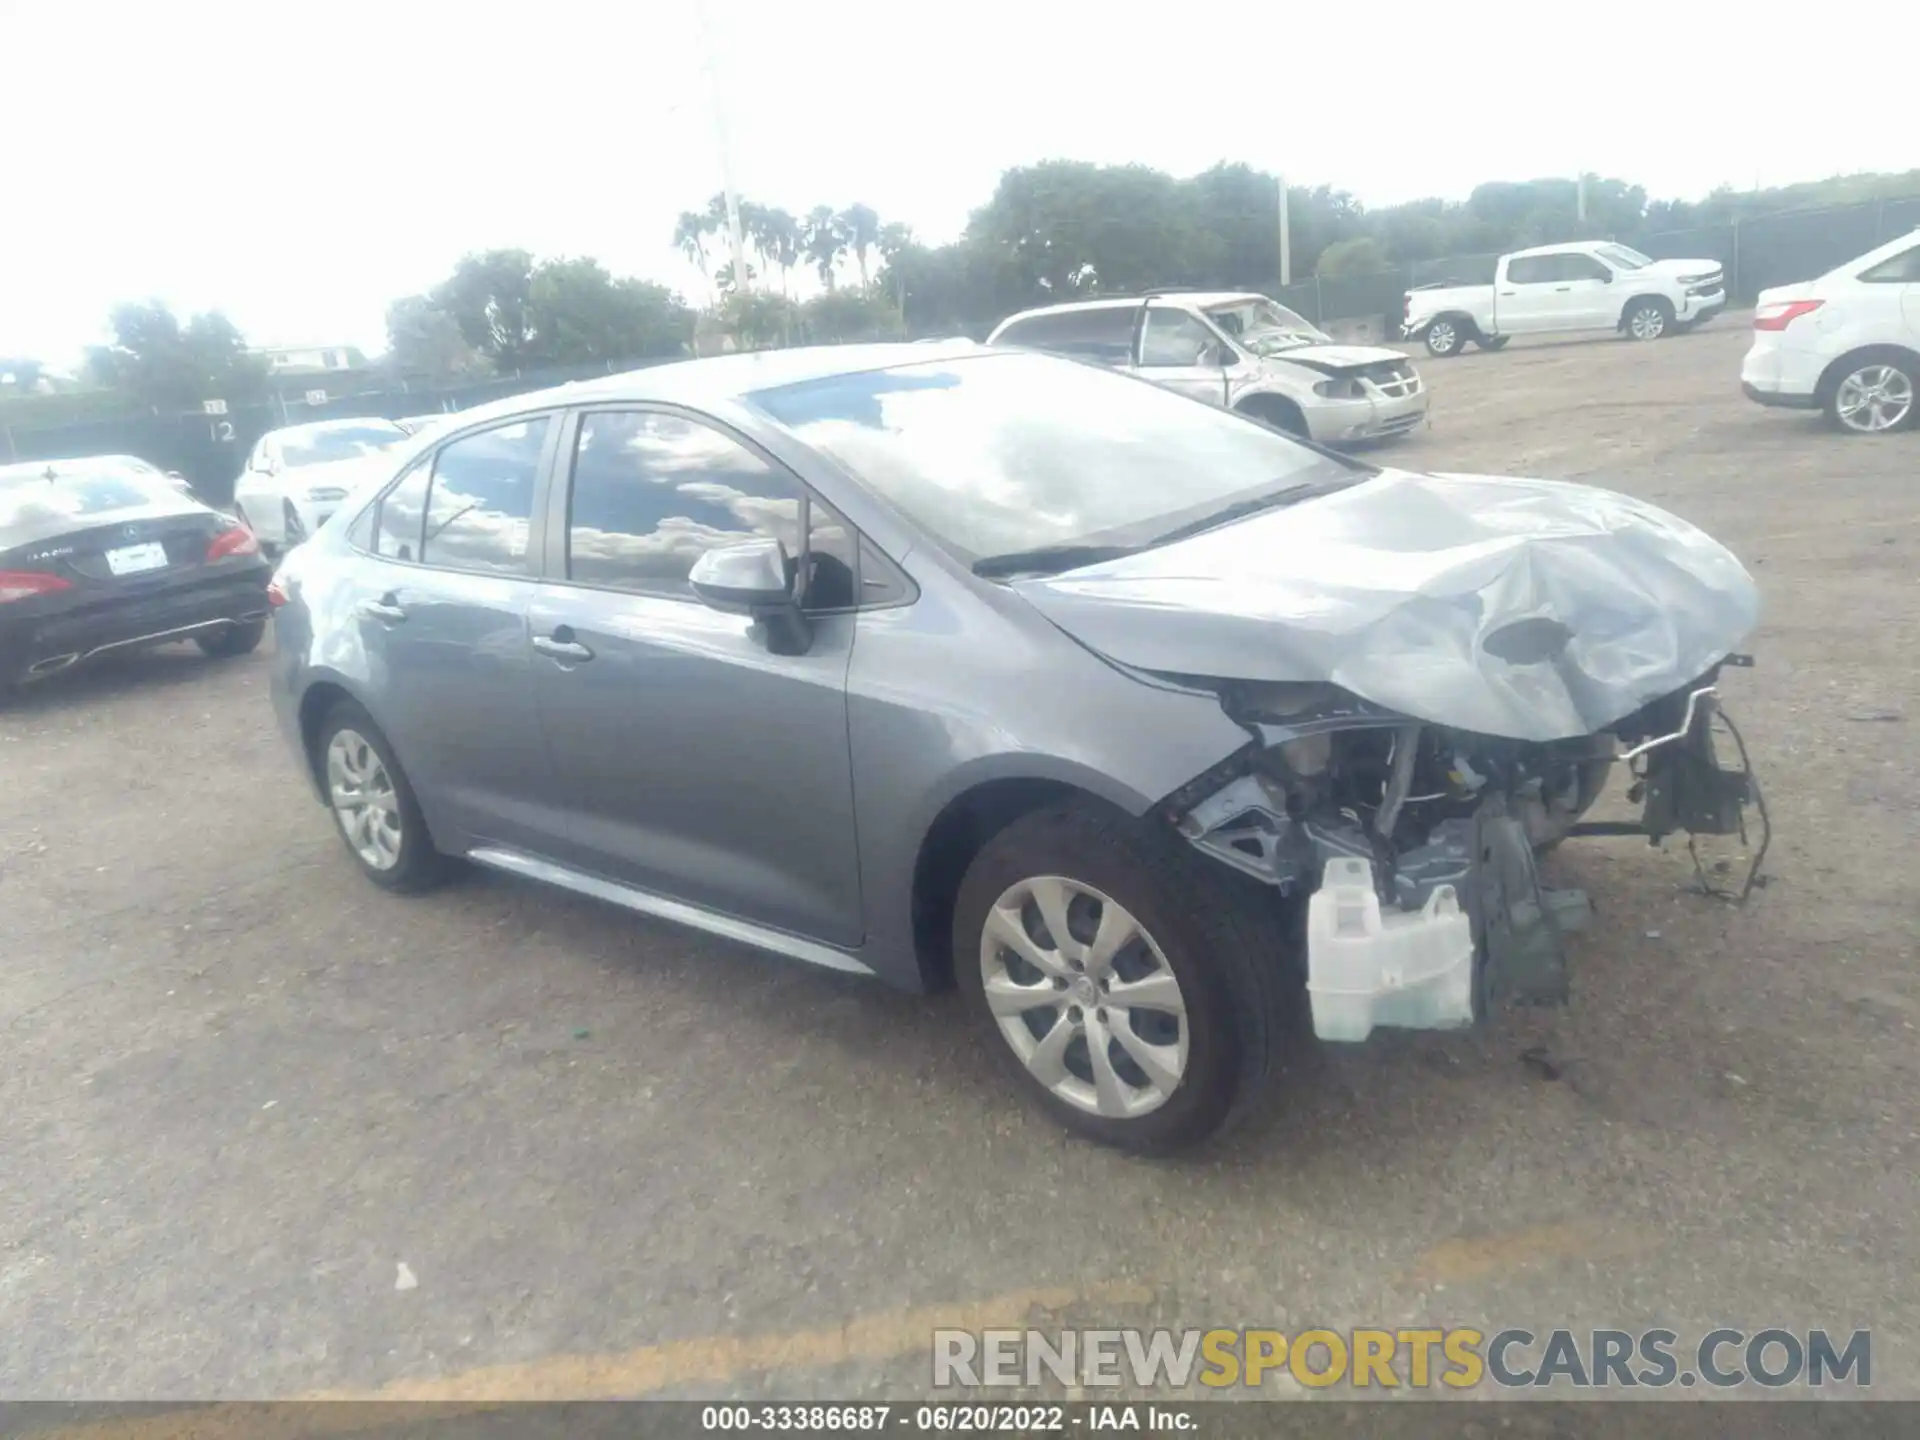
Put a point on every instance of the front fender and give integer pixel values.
(1294, 387)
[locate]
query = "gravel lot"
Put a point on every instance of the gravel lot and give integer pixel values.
(243, 1088)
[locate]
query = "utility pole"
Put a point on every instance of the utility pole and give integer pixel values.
(736, 241)
(1580, 199)
(1286, 239)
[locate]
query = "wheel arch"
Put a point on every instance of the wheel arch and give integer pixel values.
(1271, 403)
(1463, 321)
(961, 827)
(1626, 309)
(1830, 377)
(316, 702)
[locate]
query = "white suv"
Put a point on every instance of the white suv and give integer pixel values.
(1847, 343)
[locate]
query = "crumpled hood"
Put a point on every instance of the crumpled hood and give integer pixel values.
(1408, 590)
(1332, 359)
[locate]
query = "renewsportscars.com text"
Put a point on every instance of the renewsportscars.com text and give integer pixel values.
(1459, 1358)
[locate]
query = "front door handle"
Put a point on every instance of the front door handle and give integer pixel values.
(386, 608)
(561, 645)
(1563, 288)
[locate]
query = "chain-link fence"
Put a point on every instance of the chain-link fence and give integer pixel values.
(1757, 255)
(209, 449)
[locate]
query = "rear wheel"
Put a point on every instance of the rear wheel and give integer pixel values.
(1445, 337)
(373, 805)
(1132, 994)
(1873, 393)
(238, 639)
(1648, 319)
(1493, 342)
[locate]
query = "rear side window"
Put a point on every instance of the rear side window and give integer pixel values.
(1533, 269)
(480, 500)
(397, 533)
(1901, 269)
(1104, 333)
(653, 492)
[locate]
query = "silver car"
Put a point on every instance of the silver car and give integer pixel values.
(1241, 351)
(954, 663)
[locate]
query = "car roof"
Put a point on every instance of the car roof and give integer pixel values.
(321, 427)
(39, 468)
(1565, 247)
(723, 378)
(1200, 298)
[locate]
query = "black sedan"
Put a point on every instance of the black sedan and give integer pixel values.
(106, 554)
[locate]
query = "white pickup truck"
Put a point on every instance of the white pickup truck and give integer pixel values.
(1593, 285)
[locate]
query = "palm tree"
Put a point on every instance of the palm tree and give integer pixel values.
(778, 238)
(859, 230)
(823, 241)
(690, 234)
(893, 242)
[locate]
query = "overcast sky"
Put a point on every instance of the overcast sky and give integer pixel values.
(300, 165)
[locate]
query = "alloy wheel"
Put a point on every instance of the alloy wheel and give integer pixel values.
(361, 792)
(1874, 398)
(1084, 996)
(1649, 322)
(1440, 338)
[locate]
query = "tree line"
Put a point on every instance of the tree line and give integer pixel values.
(1050, 231)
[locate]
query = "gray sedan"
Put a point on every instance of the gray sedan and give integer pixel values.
(1151, 727)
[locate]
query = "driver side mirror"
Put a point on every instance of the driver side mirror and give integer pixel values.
(754, 578)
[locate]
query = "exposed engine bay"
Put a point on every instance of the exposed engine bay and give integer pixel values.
(1415, 845)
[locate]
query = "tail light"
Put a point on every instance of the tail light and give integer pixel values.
(276, 597)
(25, 584)
(235, 541)
(1783, 313)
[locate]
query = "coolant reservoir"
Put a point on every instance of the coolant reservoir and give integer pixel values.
(1366, 966)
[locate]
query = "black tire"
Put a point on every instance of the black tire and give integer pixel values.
(1277, 413)
(1446, 336)
(1902, 364)
(292, 528)
(1226, 946)
(1647, 318)
(233, 640)
(419, 865)
(1492, 342)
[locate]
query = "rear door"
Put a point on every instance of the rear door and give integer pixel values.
(441, 609)
(1892, 289)
(1180, 351)
(693, 761)
(1529, 295)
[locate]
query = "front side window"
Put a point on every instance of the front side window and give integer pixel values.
(1000, 453)
(653, 492)
(480, 500)
(1583, 267)
(1901, 269)
(1173, 338)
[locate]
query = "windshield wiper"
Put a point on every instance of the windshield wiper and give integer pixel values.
(1239, 511)
(1049, 559)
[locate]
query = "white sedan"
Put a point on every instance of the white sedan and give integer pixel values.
(297, 477)
(1847, 343)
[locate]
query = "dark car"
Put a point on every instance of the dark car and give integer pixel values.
(107, 554)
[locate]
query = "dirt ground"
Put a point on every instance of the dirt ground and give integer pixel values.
(243, 1089)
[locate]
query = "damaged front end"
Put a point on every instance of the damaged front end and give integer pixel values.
(1414, 845)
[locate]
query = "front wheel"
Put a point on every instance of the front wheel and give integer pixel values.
(1131, 993)
(1444, 338)
(1874, 395)
(1648, 319)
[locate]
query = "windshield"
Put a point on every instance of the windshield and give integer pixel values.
(1264, 327)
(78, 491)
(1000, 454)
(342, 442)
(1623, 257)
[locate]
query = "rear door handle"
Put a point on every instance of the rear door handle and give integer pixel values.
(561, 645)
(386, 608)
